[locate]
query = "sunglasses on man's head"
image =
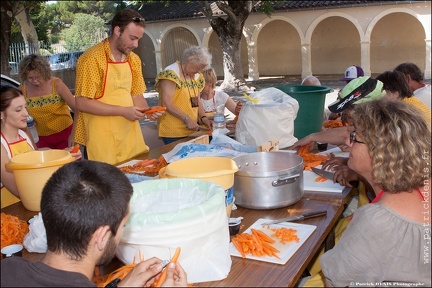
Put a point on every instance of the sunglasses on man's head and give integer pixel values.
(138, 19)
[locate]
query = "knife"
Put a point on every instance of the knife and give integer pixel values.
(327, 174)
(296, 218)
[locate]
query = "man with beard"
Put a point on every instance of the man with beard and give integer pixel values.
(109, 93)
(84, 206)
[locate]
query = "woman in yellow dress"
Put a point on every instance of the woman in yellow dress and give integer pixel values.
(179, 86)
(49, 102)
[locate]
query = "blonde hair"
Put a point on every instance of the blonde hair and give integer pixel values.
(210, 76)
(34, 62)
(399, 143)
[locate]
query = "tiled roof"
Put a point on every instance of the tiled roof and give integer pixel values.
(156, 11)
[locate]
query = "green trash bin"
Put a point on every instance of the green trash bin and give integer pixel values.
(311, 101)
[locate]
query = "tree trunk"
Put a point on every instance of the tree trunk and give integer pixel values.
(229, 31)
(6, 20)
(28, 30)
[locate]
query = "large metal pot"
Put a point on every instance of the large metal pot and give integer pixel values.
(267, 180)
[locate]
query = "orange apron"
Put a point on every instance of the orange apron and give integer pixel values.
(113, 139)
(19, 147)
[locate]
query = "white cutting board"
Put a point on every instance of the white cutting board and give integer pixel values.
(328, 186)
(286, 250)
(309, 183)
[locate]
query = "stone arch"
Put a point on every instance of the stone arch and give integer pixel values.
(423, 49)
(282, 59)
(340, 50)
(172, 46)
(147, 52)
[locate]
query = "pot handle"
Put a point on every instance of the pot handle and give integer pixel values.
(284, 181)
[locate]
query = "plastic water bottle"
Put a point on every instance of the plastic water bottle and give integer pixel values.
(32, 126)
(219, 118)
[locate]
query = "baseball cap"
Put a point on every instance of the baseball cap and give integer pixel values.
(359, 90)
(352, 72)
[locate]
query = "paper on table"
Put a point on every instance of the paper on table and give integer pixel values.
(286, 250)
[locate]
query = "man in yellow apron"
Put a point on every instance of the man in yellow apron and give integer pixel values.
(109, 93)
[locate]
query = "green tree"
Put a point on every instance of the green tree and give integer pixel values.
(85, 31)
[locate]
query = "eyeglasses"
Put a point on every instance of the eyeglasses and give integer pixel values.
(353, 138)
(138, 19)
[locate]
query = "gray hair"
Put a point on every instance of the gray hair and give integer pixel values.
(198, 55)
(311, 80)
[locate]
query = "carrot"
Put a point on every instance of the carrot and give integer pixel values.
(332, 124)
(285, 235)
(13, 230)
(164, 272)
(321, 179)
(75, 148)
(256, 244)
(103, 280)
(155, 109)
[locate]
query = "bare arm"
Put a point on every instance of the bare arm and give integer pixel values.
(7, 177)
(335, 136)
(231, 105)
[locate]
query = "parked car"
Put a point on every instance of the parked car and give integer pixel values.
(65, 60)
(14, 68)
(5, 80)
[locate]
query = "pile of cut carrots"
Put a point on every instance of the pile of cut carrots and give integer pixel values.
(257, 244)
(13, 230)
(310, 159)
(332, 124)
(285, 234)
(150, 166)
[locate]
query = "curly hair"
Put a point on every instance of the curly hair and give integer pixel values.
(34, 62)
(399, 143)
(198, 55)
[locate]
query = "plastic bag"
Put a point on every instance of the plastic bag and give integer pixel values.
(229, 143)
(271, 118)
(189, 150)
(186, 213)
(35, 240)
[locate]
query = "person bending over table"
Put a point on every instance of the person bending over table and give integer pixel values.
(386, 240)
(179, 86)
(91, 199)
(109, 93)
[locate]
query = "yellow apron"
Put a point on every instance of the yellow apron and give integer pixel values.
(19, 147)
(113, 139)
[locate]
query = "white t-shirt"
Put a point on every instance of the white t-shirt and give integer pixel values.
(424, 95)
(219, 98)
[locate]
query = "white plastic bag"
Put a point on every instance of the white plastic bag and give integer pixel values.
(271, 118)
(35, 240)
(185, 213)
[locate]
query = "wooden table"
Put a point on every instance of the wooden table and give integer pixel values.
(246, 272)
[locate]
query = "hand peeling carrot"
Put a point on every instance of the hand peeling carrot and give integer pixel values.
(103, 280)
(164, 272)
(75, 149)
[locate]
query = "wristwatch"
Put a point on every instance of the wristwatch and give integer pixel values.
(185, 118)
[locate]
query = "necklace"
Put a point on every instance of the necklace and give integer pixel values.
(187, 86)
